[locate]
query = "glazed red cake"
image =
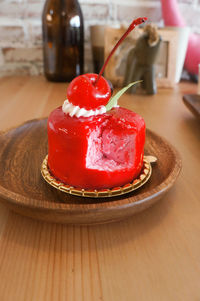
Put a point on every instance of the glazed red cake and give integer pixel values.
(96, 152)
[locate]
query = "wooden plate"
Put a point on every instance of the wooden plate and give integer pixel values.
(23, 189)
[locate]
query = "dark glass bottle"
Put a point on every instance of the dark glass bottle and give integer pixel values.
(63, 40)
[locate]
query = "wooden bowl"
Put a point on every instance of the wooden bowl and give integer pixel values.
(23, 189)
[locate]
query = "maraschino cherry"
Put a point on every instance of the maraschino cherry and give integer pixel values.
(91, 90)
(83, 93)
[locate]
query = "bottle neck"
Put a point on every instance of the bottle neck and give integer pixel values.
(70, 3)
(67, 4)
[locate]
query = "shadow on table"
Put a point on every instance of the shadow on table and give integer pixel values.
(191, 124)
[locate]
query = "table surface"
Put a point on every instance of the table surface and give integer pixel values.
(154, 255)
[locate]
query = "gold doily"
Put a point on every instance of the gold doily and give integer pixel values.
(137, 183)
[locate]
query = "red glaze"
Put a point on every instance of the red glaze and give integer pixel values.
(82, 92)
(70, 157)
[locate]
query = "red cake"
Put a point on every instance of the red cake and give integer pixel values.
(96, 152)
(93, 143)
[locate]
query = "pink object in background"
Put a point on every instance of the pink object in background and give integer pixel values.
(173, 17)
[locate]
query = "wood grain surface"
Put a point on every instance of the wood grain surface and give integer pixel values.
(24, 190)
(154, 255)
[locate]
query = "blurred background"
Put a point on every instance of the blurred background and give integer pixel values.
(21, 27)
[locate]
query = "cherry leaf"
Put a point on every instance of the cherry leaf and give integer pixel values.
(113, 100)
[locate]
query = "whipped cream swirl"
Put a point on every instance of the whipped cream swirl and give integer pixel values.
(69, 108)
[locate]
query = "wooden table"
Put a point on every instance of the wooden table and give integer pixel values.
(155, 255)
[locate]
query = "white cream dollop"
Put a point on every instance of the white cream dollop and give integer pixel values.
(69, 108)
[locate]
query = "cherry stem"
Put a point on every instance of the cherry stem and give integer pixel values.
(136, 22)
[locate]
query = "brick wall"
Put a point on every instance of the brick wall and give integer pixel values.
(20, 27)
